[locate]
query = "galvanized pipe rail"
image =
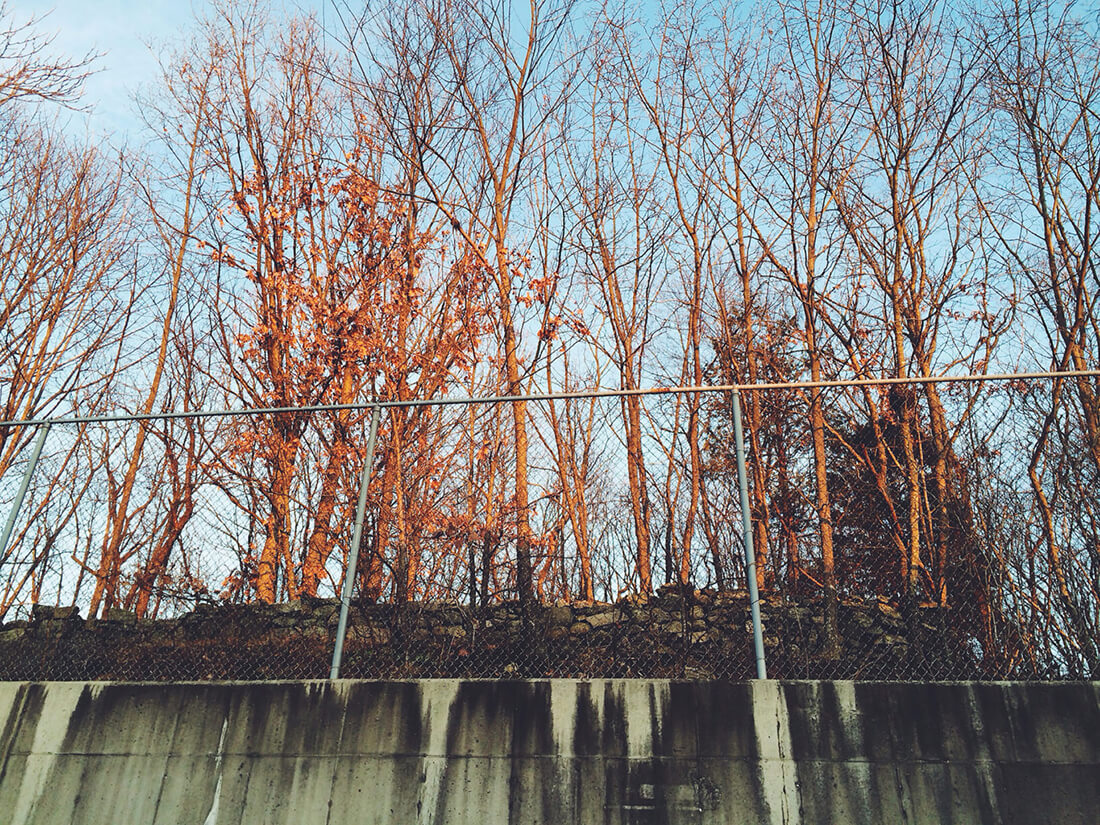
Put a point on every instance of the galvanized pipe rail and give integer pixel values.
(550, 396)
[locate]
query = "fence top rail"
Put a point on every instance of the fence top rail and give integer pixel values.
(550, 396)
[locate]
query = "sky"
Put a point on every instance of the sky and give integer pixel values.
(127, 36)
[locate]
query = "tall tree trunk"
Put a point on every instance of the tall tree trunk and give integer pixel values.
(639, 493)
(524, 573)
(276, 532)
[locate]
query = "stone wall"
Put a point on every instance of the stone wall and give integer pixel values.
(674, 634)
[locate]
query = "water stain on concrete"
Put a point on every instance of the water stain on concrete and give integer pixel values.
(620, 752)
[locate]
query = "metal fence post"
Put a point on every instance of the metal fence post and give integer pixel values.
(353, 555)
(750, 553)
(9, 526)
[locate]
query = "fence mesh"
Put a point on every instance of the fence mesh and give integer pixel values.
(904, 531)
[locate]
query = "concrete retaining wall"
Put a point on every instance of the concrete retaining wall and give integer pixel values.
(441, 751)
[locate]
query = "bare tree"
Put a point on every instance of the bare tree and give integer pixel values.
(174, 234)
(616, 233)
(68, 293)
(664, 81)
(497, 80)
(28, 70)
(911, 213)
(1044, 70)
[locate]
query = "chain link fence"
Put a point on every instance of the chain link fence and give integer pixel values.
(941, 529)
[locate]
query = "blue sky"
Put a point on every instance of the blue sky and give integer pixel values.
(126, 34)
